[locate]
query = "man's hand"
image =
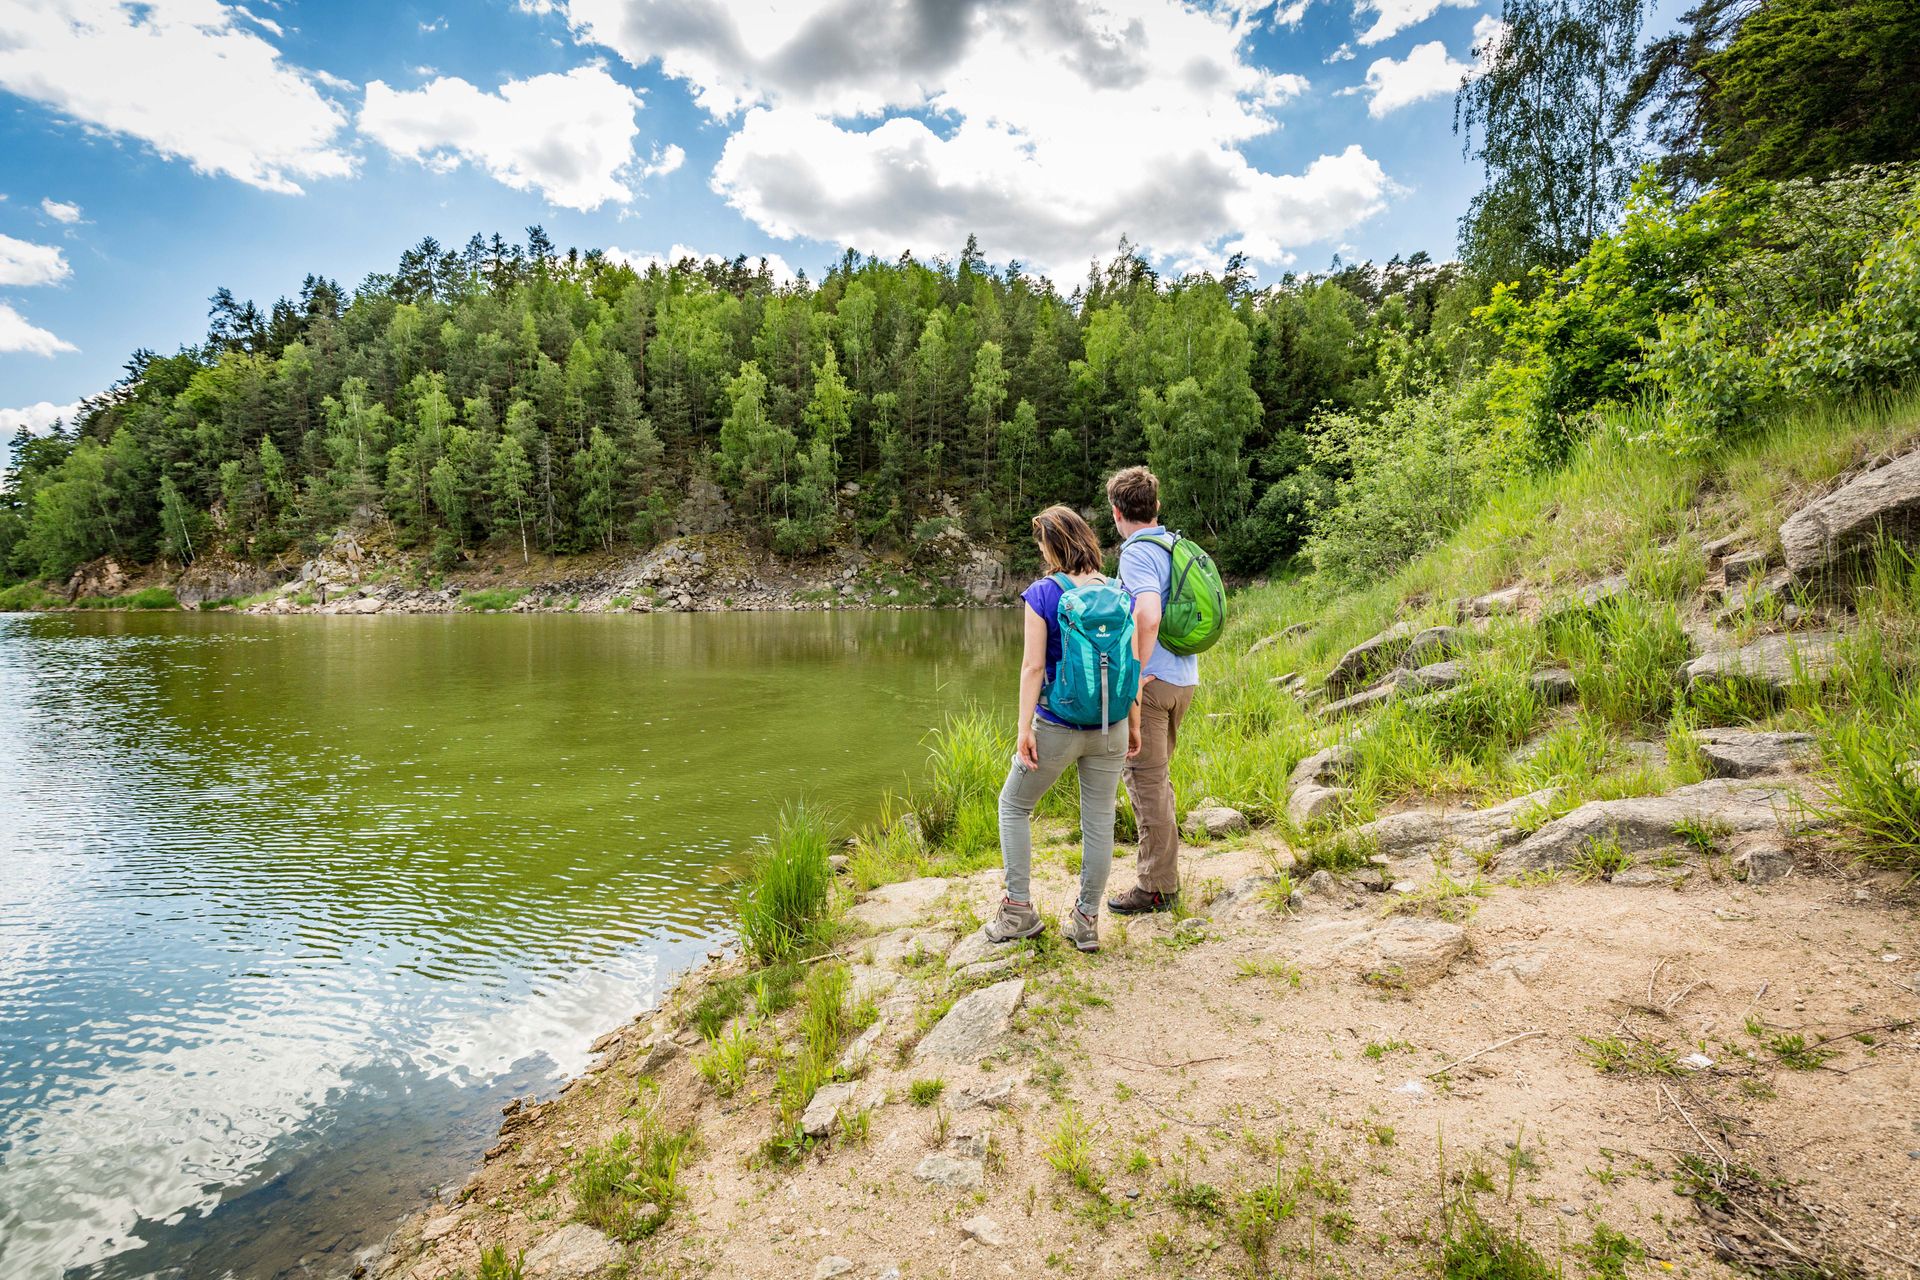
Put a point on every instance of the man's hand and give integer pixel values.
(1026, 748)
(1133, 738)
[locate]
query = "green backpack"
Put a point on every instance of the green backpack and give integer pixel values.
(1195, 611)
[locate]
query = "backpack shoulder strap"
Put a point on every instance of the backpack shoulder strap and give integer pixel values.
(1062, 581)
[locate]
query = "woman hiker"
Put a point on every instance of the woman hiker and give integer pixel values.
(1068, 716)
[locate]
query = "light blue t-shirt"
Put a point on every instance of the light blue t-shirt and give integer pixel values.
(1143, 568)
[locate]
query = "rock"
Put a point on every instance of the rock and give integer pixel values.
(1494, 603)
(993, 1094)
(1369, 657)
(574, 1252)
(906, 944)
(1406, 952)
(1360, 701)
(1644, 823)
(1553, 684)
(1217, 821)
(1751, 753)
(1820, 536)
(1325, 767)
(440, 1227)
(830, 1266)
(837, 863)
(824, 1109)
(1648, 877)
(974, 948)
(1244, 898)
(1591, 596)
(1430, 646)
(1420, 833)
(855, 1057)
(975, 1022)
(1434, 676)
(892, 905)
(870, 981)
(1745, 567)
(950, 1171)
(967, 975)
(985, 1230)
(1770, 661)
(1763, 862)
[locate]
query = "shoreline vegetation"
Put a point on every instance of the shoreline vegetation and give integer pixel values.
(1474, 971)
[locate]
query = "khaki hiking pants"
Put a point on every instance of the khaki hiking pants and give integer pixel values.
(1162, 707)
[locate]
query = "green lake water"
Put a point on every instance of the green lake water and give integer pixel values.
(292, 905)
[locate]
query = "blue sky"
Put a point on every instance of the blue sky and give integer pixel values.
(156, 151)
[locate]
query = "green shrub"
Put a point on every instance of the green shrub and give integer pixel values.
(23, 596)
(491, 599)
(789, 888)
(495, 1264)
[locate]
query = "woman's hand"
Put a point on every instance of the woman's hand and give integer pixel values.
(1026, 749)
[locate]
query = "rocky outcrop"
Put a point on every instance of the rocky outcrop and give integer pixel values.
(1434, 677)
(1370, 697)
(574, 1252)
(1430, 646)
(975, 1023)
(1403, 953)
(1314, 790)
(1645, 823)
(1751, 753)
(1771, 662)
(825, 1107)
(1819, 538)
(98, 578)
(892, 905)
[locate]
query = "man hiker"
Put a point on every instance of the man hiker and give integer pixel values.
(1167, 682)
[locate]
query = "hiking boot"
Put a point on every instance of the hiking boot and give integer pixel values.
(1083, 933)
(1014, 921)
(1137, 901)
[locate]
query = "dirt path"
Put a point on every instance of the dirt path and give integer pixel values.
(1256, 1092)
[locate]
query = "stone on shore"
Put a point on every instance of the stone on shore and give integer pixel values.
(1644, 823)
(1885, 502)
(1422, 833)
(893, 905)
(984, 1230)
(574, 1252)
(1405, 953)
(976, 1021)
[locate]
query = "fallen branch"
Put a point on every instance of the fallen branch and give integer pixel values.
(1161, 1066)
(1691, 1125)
(1524, 1035)
(1898, 1024)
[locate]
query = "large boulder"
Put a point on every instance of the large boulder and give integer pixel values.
(1314, 790)
(975, 1023)
(824, 1109)
(1370, 657)
(1644, 823)
(1434, 676)
(1751, 753)
(1422, 833)
(1824, 533)
(1772, 662)
(1215, 821)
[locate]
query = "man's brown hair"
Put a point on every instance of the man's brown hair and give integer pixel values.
(1136, 494)
(1066, 542)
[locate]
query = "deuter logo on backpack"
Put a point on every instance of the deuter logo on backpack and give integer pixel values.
(1195, 611)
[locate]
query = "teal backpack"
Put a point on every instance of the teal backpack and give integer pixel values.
(1195, 611)
(1098, 677)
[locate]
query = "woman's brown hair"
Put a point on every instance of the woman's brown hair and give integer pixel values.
(1066, 542)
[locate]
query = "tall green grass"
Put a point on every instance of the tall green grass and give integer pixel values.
(629, 1185)
(1626, 655)
(784, 900)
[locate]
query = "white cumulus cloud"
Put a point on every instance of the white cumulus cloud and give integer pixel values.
(17, 334)
(24, 263)
(38, 419)
(570, 137)
(60, 210)
(1428, 71)
(190, 78)
(777, 265)
(1391, 17)
(1049, 129)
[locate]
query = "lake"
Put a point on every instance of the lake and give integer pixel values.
(291, 906)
